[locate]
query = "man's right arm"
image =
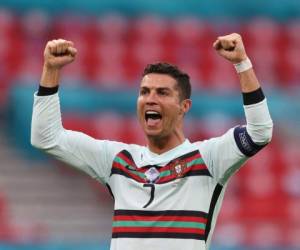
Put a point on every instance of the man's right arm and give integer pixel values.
(47, 132)
(74, 148)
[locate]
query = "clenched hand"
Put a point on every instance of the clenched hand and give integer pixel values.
(231, 47)
(57, 54)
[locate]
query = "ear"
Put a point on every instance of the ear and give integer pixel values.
(185, 105)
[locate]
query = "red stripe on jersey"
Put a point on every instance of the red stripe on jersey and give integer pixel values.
(159, 218)
(191, 158)
(131, 163)
(128, 172)
(125, 158)
(195, 167)
(158, 230)
(187, 160)
(174, 176)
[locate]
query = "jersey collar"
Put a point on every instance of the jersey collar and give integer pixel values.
(151, 158)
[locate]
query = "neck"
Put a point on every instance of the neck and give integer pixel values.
(160, 145)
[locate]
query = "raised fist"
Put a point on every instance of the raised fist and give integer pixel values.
(59, 53)
(231, 47)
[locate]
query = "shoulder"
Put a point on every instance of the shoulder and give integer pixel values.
(115, 147)
(228, 137)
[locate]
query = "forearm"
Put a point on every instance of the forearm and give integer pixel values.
(46, 121)
(46, 116)
(50, 77)
(259, 122)
(248, 81)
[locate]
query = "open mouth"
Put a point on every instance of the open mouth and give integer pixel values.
(152, 117)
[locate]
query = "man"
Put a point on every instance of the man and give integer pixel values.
(167, 194)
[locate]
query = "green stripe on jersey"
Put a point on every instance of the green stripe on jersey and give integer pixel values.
(189, 164)
(165, 173)
(130, 168)
(195, 162)
(175, 224)
(121, 161)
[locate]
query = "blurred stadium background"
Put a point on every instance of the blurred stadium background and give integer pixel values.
(47, 206)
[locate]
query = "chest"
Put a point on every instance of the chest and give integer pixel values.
(183, 183)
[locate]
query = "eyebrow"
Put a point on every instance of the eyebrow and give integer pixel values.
(159, 88)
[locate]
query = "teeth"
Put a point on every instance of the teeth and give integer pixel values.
(152, 113)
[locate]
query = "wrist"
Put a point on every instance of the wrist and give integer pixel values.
(243, 65)
(50, 76)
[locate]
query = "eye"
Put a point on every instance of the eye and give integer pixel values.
(163, 92)
(143, 92)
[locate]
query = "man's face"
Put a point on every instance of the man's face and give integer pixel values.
(160, 111)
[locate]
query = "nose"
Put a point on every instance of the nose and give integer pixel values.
(151, 98)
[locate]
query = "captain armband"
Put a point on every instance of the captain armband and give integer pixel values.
(245, 143)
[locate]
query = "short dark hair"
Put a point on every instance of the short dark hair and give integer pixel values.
(182, 78)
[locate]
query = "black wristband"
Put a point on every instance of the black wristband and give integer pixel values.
(253, 97)
(43, 91)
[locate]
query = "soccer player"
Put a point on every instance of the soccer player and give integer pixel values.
(167, 194)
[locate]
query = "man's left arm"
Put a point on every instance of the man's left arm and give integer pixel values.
(225, 154)
(259, 123)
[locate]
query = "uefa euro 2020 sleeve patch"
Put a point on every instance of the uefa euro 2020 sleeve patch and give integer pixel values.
(245, 143)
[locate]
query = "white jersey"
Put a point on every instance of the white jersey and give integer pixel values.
(164, 202)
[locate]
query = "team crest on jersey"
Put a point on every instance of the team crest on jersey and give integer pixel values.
(178, 168)
(152, 175)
